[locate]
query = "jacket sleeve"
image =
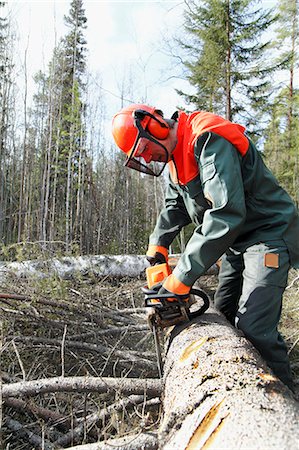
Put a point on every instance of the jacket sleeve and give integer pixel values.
(171, 220)
(221, 178)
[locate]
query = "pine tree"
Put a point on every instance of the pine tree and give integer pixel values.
(226, 56)
(283, 130)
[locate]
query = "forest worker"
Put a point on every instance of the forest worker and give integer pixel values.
(219, 182)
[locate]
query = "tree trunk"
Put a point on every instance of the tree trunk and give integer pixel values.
(219, 393)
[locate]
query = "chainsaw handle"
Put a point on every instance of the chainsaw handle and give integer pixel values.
(204, 307)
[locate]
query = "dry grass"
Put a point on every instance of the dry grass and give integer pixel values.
(289, 325)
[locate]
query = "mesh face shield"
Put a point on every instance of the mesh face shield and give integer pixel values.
(154, 168)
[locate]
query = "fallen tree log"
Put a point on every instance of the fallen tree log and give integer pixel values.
(149, 387)
(116, 266)
(219, 393)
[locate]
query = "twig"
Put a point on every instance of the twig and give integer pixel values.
(62, 350)
(13, 296)
(294, 345)
(293, 282)
(19, 360)
(111, 330)
(92, 419)
(49, 416)
(130, 355)
(148, 441)
(33, 439)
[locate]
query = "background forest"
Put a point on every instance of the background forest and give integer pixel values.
(63, 188)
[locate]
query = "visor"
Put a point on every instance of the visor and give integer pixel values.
(154, 168)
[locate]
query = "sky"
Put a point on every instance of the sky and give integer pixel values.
(128, 42)
(122, 36)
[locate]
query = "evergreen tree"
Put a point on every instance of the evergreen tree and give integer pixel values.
(282, 138)
(226, 56)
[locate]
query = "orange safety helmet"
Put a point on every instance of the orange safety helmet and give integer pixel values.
(138, 121)
(125, 131)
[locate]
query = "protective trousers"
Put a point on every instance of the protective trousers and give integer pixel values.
(249, 294)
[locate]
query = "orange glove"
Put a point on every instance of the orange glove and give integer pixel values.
(174, 286)
(156, 254)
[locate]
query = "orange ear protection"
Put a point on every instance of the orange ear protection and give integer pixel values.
(153, 123)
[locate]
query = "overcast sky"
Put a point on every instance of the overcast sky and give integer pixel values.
(120, 35)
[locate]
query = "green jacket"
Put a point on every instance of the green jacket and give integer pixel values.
(234, 201)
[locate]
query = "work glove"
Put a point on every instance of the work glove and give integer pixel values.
(156, 254)
(177, 290)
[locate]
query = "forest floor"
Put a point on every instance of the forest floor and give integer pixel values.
(88, 328)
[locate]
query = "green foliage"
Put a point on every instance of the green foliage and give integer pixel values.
(282, 141)
(282, 134)
(53, 287)
(226, 55)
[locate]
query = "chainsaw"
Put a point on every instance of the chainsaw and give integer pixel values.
(166, 310)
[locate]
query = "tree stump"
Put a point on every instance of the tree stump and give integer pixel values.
(220, 394)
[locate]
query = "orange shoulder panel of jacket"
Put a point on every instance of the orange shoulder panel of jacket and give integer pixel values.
(184, 167)
(233, 132)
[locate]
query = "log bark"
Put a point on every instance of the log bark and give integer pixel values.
(219, 393)
(149, 387)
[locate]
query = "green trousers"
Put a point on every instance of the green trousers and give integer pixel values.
(249, 294)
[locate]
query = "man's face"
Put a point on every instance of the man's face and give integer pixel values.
(151, 151)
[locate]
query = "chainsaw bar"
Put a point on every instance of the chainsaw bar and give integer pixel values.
(163, 313)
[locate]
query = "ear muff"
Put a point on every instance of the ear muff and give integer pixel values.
(158, 128)
(153, 123)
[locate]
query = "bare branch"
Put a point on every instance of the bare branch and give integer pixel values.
(127, 386)
(146, 441)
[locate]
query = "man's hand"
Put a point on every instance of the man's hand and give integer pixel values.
(177, 290)
(157, 254)
(173, 297)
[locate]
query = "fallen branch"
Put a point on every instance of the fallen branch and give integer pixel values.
(49, 416)
(13, 296)
(295, 280)
(94, 418)
(31, 438)
(126, 386)
(129, 355)
(143, 441)
(111, 330)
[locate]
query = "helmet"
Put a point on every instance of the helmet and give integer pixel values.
(125, 131)
(138, 121)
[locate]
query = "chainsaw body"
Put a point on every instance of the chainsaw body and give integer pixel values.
(167, 310)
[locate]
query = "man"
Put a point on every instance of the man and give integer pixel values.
(219, 182)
